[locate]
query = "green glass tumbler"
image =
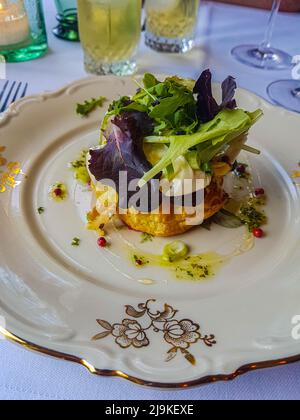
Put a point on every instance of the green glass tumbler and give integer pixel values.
(67, 27)
(22, 30)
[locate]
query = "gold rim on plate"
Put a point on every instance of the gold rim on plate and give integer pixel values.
(119, 374)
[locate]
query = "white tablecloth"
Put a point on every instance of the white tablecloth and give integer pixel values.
(25, 375)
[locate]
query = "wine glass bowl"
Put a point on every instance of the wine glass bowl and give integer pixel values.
(286, 93)
(264, 56)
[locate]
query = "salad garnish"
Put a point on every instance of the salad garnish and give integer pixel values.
(75, 242)
(174, 130)
(89, 106)
(166, 121)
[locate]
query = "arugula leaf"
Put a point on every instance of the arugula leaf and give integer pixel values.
(207, 151)
(187, 83)
(168, 106)
(228, 125)
(88, 106)
(150, 81)
(192, 156)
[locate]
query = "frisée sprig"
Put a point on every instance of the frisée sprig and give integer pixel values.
(89, 106)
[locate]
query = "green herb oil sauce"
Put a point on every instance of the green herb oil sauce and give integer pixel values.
(195, 267)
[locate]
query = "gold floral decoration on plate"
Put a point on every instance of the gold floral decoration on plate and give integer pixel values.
(180, 334)
(9, 171)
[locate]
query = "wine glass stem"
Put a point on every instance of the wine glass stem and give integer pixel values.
(266, 45)
(296, 92)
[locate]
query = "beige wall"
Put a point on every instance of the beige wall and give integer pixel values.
(287, 5)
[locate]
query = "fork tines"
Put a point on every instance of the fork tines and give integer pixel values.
(11, 92)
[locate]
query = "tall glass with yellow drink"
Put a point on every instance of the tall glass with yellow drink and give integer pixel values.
(171, 24)
(110, 32)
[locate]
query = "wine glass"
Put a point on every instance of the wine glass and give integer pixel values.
(286, 93)
(264, 56)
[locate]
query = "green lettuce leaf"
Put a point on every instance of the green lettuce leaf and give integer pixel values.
(213, 135)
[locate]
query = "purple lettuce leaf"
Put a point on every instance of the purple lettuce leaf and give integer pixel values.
(229, 87)
(124, 152)
(207, 106)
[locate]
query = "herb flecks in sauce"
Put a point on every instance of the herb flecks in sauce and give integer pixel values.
(194, 267)
(199, 267)
(140, 260)
(252, 215)
(41, 210)
(146, 237)
(59, 192)
(75, 242)
(247, 202)
(80, 169)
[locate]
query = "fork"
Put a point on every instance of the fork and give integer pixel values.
(11, 92)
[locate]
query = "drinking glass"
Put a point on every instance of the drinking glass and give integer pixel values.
(22, 30)
(110, 31)
(286, 93)
(264, 56)
(171, 25)
(67, 27)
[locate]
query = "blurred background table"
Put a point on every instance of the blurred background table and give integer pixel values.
(24, 375)
(286, 5)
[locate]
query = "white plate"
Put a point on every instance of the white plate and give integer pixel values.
(52, 294)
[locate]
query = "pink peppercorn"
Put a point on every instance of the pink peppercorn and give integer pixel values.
(58, 192)
(258, 233)
(241, 169)
(102, 242)
(259, 192)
